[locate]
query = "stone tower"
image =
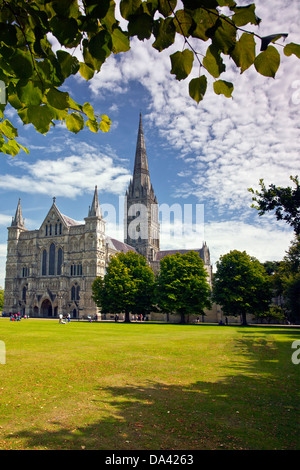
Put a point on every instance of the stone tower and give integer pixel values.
(141, 206)
(11, 291)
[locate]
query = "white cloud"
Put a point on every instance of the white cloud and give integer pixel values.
(5, 220)
(69, 176)
(235, 141)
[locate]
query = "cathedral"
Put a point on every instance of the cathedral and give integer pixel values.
(50, 270)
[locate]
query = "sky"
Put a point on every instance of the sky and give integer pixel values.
(202, 158)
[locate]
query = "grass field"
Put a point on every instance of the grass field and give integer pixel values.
(147, 386)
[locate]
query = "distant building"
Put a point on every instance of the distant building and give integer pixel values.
(50, 270)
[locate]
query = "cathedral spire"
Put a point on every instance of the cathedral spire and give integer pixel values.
(141, 175)
(18, 220)
(95, 210)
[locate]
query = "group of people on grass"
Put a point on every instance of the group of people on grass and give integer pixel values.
(64, 318)
(17, 316)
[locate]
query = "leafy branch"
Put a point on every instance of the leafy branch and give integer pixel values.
(33, 73)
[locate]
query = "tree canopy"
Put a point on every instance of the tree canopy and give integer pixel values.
(181, 285)
(127, 286)
(241, 285)
(31, 72)
(285, 202)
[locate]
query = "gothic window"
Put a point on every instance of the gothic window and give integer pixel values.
(73, 293)
(59, 229)
(25, 271)
(76, 269)
(24, 293)
(52, 259)
(46, 230)
(59, 261)
(44, 263)
(50, 230)
(55, 229)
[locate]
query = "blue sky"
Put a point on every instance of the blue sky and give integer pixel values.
(205, 155)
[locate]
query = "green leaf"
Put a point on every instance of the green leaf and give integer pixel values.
(23, 148)
(100, 45)
(120, 41)
(165, 7)
(182, 63)
(197, 88)
(66, 8)
(292, 48)
(40, 117)
(183, 22)
(74, 105)
(69, 64)
(21, 63)
(96, 8)
(244, 15)
(74, 122)
(11, 147)
(267, 62)
(8, 129)
(164, 33)
(93, 125)
(224, 37)
(31, 93)
(221, 87)
(58, 99)
(8, 34)
(244, 52)
(129, 7)
(88, 110)
(141, 26)
(213, 62)
(203, 20)
(105, 123)
(65, 30)
(86, 71)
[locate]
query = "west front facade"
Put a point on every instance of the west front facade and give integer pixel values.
(50, 270)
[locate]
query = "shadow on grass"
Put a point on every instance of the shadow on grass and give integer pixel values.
(253, 406)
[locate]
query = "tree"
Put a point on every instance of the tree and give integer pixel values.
(290, 278)
(284, 201)
(241, 285)
(182, 286)
(285, 280)
(32, 72)
(127, 287)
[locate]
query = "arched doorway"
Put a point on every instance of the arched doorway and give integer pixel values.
(46, 308)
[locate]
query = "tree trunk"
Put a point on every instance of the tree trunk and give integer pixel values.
(244, 319)
(182, 321)
(127, 317)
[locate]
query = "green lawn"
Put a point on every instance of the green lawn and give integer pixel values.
(147, 386)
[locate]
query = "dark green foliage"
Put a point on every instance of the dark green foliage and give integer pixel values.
(241, 285)
(127, 287)
(285, 202)
(181, 285)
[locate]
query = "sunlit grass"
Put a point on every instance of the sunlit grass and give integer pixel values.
(147, 386)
